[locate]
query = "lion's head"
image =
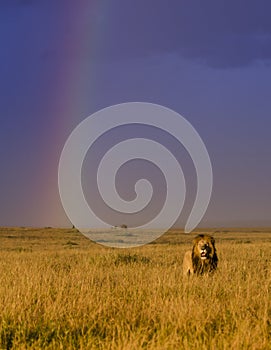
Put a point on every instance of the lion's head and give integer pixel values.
(204, 257)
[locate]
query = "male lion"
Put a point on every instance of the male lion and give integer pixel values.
(203, 259)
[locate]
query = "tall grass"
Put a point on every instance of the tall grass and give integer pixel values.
(58, 295)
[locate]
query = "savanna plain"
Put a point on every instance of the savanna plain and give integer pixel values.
(59, 290)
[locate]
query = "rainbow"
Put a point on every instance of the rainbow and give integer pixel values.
(77, 40)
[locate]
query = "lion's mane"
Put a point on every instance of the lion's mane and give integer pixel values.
(203, 258)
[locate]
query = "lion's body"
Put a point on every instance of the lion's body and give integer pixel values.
(203, 258)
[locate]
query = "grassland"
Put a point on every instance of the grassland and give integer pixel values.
(58, 290)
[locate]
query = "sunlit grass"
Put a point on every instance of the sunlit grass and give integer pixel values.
(59, 290)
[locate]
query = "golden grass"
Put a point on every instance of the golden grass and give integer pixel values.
(58, 290)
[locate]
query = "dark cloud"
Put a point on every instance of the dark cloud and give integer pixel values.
(213, 32)
(26, 2)
(217, 33)
(6, 4)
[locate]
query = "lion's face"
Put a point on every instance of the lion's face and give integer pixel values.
(204, 259)
(203, 247)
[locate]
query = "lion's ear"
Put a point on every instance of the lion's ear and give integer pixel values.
(195, 241)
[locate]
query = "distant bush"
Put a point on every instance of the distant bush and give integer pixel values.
(130, 259)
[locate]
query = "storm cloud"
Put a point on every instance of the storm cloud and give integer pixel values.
(215, 33)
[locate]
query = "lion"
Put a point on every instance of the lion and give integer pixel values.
(202, 260)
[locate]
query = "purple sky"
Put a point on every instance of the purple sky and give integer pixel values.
(61, 61)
